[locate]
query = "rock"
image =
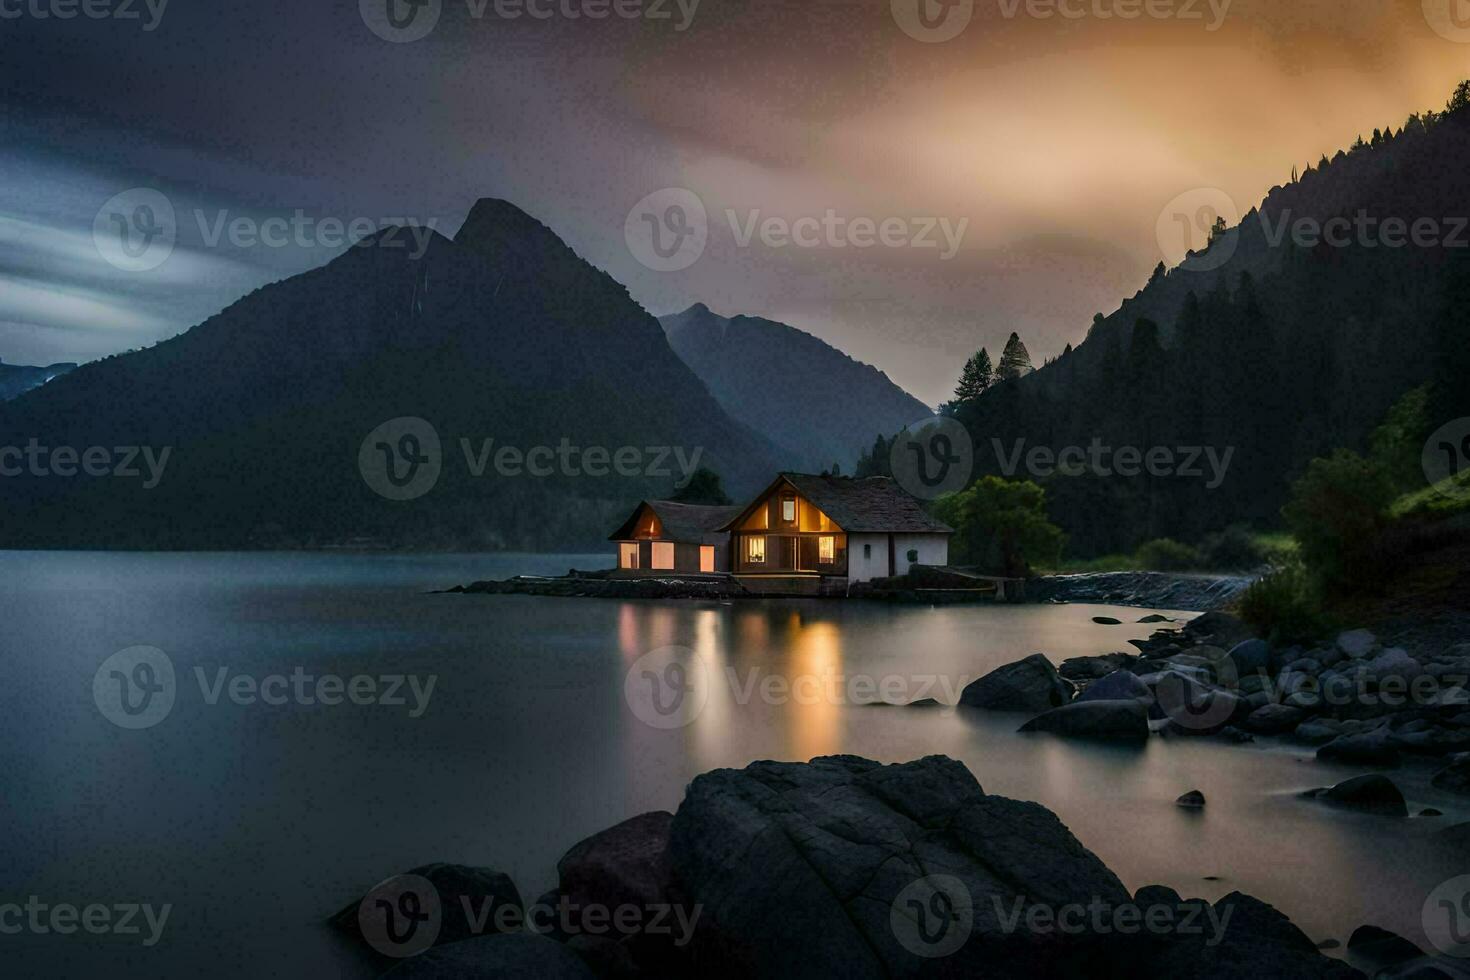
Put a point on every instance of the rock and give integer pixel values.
(1091, 668)
(1306, 700)
(1193, 800)
(1305, 665)
(1328, 656)
(1433, 740)
(1118, 686)
(1318, 731)
(1454, 778)
(1293, 682)
(1371, 794)
(1430, 811)
(1156, 618)
(1374, 749)
(1357, 644)
(1273, 719)
(1030, 685)
(1395, 663)
(1242, 937)
(516, 955)
(1251, 683)
(492, 898)
(1218, 628)
(1382, 947)
(1114, 720)
(827, 869)
(1251, 656)
(1107, 621)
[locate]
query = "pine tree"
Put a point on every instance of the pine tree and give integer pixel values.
(976, 378)
(1015, 361)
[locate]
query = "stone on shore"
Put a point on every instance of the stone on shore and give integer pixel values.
(1125, 720)
(1240, 938)
(1357, 644)
(1031, 685)
(1374, 749)
(1251, 656)
(1370, 794)
(1381, 947)
(1120, 685)
(1273, 719)
(1455, 777)
(456, 887)
(1192, 800)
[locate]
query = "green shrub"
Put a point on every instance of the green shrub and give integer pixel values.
(1337, 511)
(1002, 527)
(1168, 555)
(1285, 606)
(1233, 549)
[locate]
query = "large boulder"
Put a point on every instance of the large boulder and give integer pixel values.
(1125, 720)
(1238, 938)
(1120, 685)
(1251, 656)
(1455, 777)
(1218, 628)
(1029, 685)
(452, 902)
(625, 867)
(843, 867)
(518, 956)
(1371, 794)
(1395, 663)
(1375, 749)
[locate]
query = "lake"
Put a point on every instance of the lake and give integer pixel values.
(255, 820)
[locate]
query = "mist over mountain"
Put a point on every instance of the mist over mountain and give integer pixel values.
(17, 379)
(791, 387)
(1290, 335)
(501, 340)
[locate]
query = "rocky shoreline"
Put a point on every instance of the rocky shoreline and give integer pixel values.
(839, 867)
(1156, 590)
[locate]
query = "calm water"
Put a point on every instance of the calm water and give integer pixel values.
(255, 822)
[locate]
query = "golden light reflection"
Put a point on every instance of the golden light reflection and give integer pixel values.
(818, 689)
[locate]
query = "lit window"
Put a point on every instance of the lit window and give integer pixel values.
(628, 555)
(755, 550)
(663, 555)
(788, 509)
(707, 558)
(826, 549)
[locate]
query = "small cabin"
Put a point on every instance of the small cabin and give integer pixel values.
(828, 528)
(665, 536)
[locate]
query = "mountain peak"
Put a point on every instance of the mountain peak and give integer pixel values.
(494, 224)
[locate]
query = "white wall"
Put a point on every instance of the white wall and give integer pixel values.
(933, 549)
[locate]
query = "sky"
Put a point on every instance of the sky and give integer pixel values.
(907, 182)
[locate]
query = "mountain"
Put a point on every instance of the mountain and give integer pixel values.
(786, 384)
(503, 340)
(17, 379)
(1274, 344)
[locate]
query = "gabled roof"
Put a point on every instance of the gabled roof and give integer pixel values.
(872, 505)
(683, 523)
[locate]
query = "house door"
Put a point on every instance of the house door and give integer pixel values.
(786, 553)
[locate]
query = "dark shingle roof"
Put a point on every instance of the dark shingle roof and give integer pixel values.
(684, 523)
(875, 504)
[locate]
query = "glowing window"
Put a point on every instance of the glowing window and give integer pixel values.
(755, 550)
(628, 555)
(826, 549)
(788, 509)
(707, 558)
(663, 555)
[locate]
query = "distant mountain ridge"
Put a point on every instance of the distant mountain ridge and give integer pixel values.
(501, 334)
(795, 389)
(17, 379)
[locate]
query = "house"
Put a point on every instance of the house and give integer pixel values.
(668, 536)
(822, 533)
(802, 535)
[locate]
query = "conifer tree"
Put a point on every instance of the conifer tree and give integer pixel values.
(977, 376)
(1015, 361)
